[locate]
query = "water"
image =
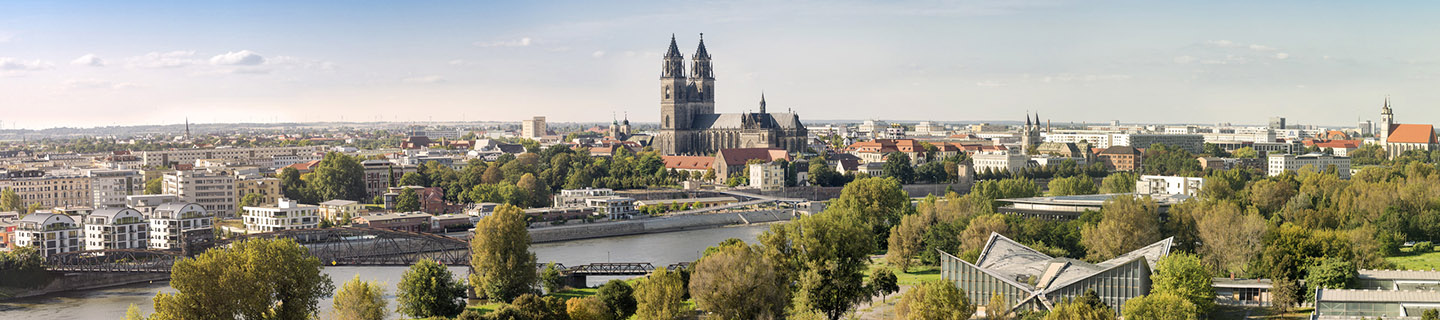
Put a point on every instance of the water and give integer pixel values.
(661, 249)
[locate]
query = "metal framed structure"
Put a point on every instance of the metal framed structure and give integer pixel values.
(373, 247)
(114, 260)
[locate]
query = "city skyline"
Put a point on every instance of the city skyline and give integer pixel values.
(85, 64)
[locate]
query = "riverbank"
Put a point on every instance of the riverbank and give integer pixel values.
(656, 225)
(57, 282)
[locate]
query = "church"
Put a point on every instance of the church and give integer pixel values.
(690, 126)
(1397, 138)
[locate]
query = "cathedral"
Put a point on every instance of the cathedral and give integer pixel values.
(690, 126)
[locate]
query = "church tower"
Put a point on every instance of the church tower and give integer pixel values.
(762, 102)
(1387, 120)
(702, 76)
(674, 111)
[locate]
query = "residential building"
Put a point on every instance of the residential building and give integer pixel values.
(927, 128)
(533, 128)
(146, 204)
(452, 222)
(1337, 147)
(381, 174)
(285, 215)
(177, 225)
(614, 207)
(110, 187)
(997, 162)
(703, 202)
(1193, 143)
(339, 210)
(769, 176)
(1158, 185)
(49, 189)
(268, 189)
(116, 228)
(400, 221)
(689, 163)
(1397, 138)
(1121, 158)
(49, 233)
(7, 234)
(213, 190)
(570, 198)
(184, 156)
(877, 150)
(729, 162)
(1027, 279)
(1315, 162)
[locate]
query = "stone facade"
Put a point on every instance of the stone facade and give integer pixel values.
(690, 126)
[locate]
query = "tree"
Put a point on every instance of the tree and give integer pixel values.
(408, 201)
(1246, 152)
(825, 254)
(412, 179)
(504, 267)
(618, 297)
(531, 306)
(1075, 185)
(10, 201)
(709, 175)
(360, 300)
(880, 201)
(1285, 293)
(1161, 306)
(897, 165)
(1119, 182)
(290, 184)
(1232, 239)
(550, 278)
(998, 309)
(934, 300)
(1184, 276)
(1430, 314)
(153, 186)
(659, 296)
(1085, 307)
(978, 233)
(536, 192)
(251, 279)
(338, 176)
(883, 282)
(737, 282)
(427, 289)
(1127, 223)
(940, 237)
(493, 175)
(1332, 273)
(588, 308)
(133, 313)
(905, 240)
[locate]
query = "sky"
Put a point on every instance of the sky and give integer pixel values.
(102, 63)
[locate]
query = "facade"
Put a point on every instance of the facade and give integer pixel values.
(690, 126)
(173, 225)
(1189, 142)
(1028, 279)
(1243, 292)
(49, 233)
(1280, 163)
(49, 189)
(729, 162)
(614, 207)
(997, 162)
(689, 163)
(213, 190)
(1381, 294)
(285, 215)
(877, 150)
(339, 210)
(116, 228)
(400, 221)
(381, 174)
(1071, 207)
(267, 188)
(768, 176)
(1121, 158)
(146, 204)
(1397, 138)
(110, 187)
(571, 198)
(186, 156)
(533, 128)
(1158, 185)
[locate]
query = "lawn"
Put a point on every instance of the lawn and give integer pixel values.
(1408, 260)
(917, 274)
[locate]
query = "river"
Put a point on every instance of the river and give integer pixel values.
(659, 248)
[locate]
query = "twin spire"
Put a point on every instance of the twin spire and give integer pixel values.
(674, 61)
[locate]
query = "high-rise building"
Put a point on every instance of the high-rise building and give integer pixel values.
(533, 128)
(213, 190)
(1277, 123)
(110, 187)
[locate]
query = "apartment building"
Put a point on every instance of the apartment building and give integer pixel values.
(285, 215)
(109, 188)
(380, 173)
(340, 210)
(570, 198)
(49, 189)
(267, 188)
(213, 190)
(173, 157)
(116, 228)
(174, 225)
(146, 204)
(49, 233)
(767, 176)
(1169, 185)
(1000, 161)
(533, 128)
(1314, 162)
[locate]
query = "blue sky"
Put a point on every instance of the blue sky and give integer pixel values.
(95, 63)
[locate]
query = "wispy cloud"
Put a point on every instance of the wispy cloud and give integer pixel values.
(598, 54)
(13, 66)
(424, 79)
(84, 84)
(88, 60)
(522, 42)
(990, 84)
(238, 58)
(171, 59)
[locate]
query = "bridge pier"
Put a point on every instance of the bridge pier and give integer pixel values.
(575, 281)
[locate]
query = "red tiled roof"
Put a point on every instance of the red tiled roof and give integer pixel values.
(739, 156)
(688, 162)
(1412, 133)
(1121, 150)
(1335, 144)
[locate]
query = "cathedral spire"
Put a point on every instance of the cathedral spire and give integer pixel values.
(1027, 120)
(700, 52)
(762, 101)
(674, 49)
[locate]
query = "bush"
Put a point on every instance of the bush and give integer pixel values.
(1423, 247)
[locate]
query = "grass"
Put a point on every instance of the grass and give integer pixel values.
(918, 273)
(1408, 260)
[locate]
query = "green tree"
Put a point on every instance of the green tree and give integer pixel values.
(1430, 314)
(1161, 306)
(905, 240)
(883, 282)
(1246, 153)
(978, 233)
(290, 184)
(1128, 223)
(709, 175)
(427, 289)
(408, 201)
(618, 297)
(1075, 185)
(880, 201)
(1184, 276)
(153, 186)
(825, 253)
(412, 179)
(737, 282)
(660, 296)
(588, 308)
(133, 313)
(1119, 182)
(360, 300)
(1085, 307)
(1232, 239)
(934, 300)
(338, 176)
(504, 267)
(251, 279)
(10, 201)
(1331, 273)
(550, 279)
(531, 306)
(897, 165)
(999, 309)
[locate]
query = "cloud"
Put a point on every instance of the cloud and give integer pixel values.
(1257, 47)
(82, 84)
(424, 79)
(1282, 56)
(289, 62)
(88, 60)
(241, 58)
(990, 84)
(1223, 44)
(12, 66)
(598, 54)
(1184, 59)
(172, 59)
(461, 62)
(522, 42)
(1071, 77)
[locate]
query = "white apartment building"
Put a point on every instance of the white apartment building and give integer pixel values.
(116, 228)
(146, 204)
(533, 128)
(1096, 138)
(285, 215)
(872, 126)
(614, 207)
(214, 190)
(1000, 161)
(110, 187)
(1280, 163)
(768, 176)
(49, 233)
(172, 157)
(174, 224)
(1169, 185)
(1190, 142)
(927, 128)
(571, 198)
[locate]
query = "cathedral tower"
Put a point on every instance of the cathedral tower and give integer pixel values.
(702, 76)
(1387, 120)
(674, 111)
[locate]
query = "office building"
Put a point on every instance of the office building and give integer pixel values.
(1158, 185)
(170, 158)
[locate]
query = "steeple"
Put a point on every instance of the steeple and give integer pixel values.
(627, 118)
(673, 65)
(1387, 120)
(762, 102)
(187, 128)
(1027, 120)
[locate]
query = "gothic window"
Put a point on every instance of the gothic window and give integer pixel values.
(667, 92)
(667, 121)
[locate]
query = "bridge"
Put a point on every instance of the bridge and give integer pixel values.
(576, 276)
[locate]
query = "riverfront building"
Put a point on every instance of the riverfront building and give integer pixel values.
(116, 228)
(1028, 279)
(49, 233)
(212, 190)
(285, 215)
(110, 187)
(175, 224)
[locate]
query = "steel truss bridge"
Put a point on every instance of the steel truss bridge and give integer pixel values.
(341, 246)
